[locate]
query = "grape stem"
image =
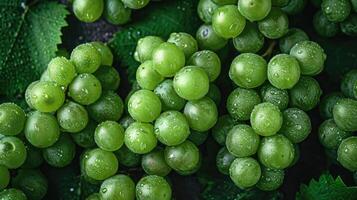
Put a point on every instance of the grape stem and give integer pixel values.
(270, 49)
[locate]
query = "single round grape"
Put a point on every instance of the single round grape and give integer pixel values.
(330, 135)
(12, 152)
(147, 77)
(28, 94)
(242, 141)
(349, 84)
(87, 10)
(205, 10)
(61, 153)
(34, 157)
(140, 137)
(227, 21)
(85, 138)
(336, 10)
(85, 89)
(12, 119)
(209, 61)
(254, 10)
(61, 71)
(126, 121)
(275, 96)
(346, 153)
(154, 163)
(41, 129)
(323, 26)
(135, 4)
(292, 37)
(266, 119)
(248, 70)
(72, 117)
(109, 136)
(275, 25)
(305, 94)
(116, 13)
(294, 7)
(118, 187)
(349, 26)
(46, 96)
(127, 157)
(153, 187)
(225, 2)
(344, 114)
(283, 71)
(191, 83)
(109, 77)
(86, 58)
(276, 152)
(12, 194)
(168, 59)
(327, 103)
(108, 107)
(183, 157)
(185, 42)
(198, 138)
(224, 160)
(144, 106)
(220, 131)
(4, 177)
(146, 46)
(214, 93)
(82, 159)
(100, 164)
(279, 3)
(296, 125)
(169, 98)
(251, 40)
(245, 172)
(32, 182)
(271, 179)
(172, 128)
(208, 39)
(201, 114)
(241, 102)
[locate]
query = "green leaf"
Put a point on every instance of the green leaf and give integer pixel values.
(29, 38)
(160, 19)
(326, 188)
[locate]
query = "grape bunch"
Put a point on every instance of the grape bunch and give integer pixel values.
(336, 133)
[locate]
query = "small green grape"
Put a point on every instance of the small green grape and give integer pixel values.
(61, 153)
(100, 164)
(85, 138)
(305, 94)
(153, 187)
(4, 177)
(296, 125)
(46, 96)
(85, 89)
(144, 106)
(116, 13)
(118, 187)
(292, 37)
(85, 57)
(140, 137)
(87, 10)
(336, 10)
(275, 25)
(254, 10)
(12, 194)
(147, 77)
(28, 94)
(330, 135)
(169, 98)
(205, 10)
(12, 152)
(242, 141)
(12, 119)
(109, 136)
(275, 96)
(127, 158)
(227, 21)
(349, 26)
(154, 163)
(344, 114)
(208, 39)
(209, 61)
(349, 84)
(109, 77)
(241, 102)
(135, 4)
(224, 160)
(327, 103)
(251, 40)
(72, 117)
(346, 153)
(126, 121)
(266, 119)
(185, 42)
(245, 172)
(31, 182)
(146, 46)
(271, 179)
(61, 71)
(108, 107)
(220, 131)
(183, 157)
(323, 26)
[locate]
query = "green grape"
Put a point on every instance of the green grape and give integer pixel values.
(153, 187)
(214, 93)
(146, 46)
(241, 102)
(72, 117)
(144, 106)
(201, 114)
(344, 114)
(108, 107)
(168, 97)
(109, 77)
(275, 96)
(28, 94)
(61, 153)
(31, 182)
(118, 187)
(168, 59)
(330, 135)
(61, 71)
(205, 10)
(172, 128)
(251, 40)
(126, 121)
(346, 153)
(85, 89)
(147, 77)
(248, 70)
(276, 152)
(296, 125)
(245, 172)
(279, 3)
(34, 157)
(116, 13)
(323, 26)
(41, 129)
(154, 163)
(271, 179)
(208, 39)
(134, 88)
(85, 138)
(109, 136)
(266, 119)
(227, 21)
(198, 138)
(82, 159)
(140, 137)
(305, 94)
(100, 164)
(94, 196)
(127, 157)
(220, 131)
(224, 160)
(310, 56)
(209, 61)
(336, 10)
(327, 104)
(292, 37)
(191, 83)
(185, 42)
(275, 25)
(294, 7)
(12, 119)
(254, 10)
(86, 58)
(46, 96)
(224, 2)
(349, 26)
(183, 157)
(192, 171)
(349, 84)
(283, 71)
(12, 194)
(242, 141)
(87, 10)
(4, 177)
(104, 50)
(135, 4)
(12, 152)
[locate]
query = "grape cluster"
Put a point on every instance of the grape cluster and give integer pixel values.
(339, 110)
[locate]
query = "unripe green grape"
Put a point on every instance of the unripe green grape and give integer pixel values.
(349, 26)
(227, 21)
(242, 141)
(251, 40)
(344, 114)
(185, 42)
(323, 26)
(87, 10)
(254, 10)
(275, 96)
(336, 10)
(205, 10)
(168, 59)
(126, 121)
(327, 103)
(109, 136)
(12, 194)
(127, 158)
(72, 117)
(292, 37)
(108, 76)
(169, 98)
(147, 77)
(12, 119)
(330, 135)
(183, 157)
(86, 58)
(105, 52)
(100, 164)
(85, 89)
(85, 138)
(224, 160)
(34, 157)
(46, 96)
(153, 187)
(82, 159)
(209, 61)
(296, 125)
(266, 119)
(225, 2)
(222, 127)
(108, 107)
(28, 94)
(146, 46)
(271, 179)
(198, 138)
(275, 25)
(279, 3)
(294, 7)
(305, 94)
(349, 84)
(32, 182)
(12, 152)
(208, 39)
(135, 4)
(116, 13)
(214, 93)
(192, 171)
(154, 163)
(4, 177)
(140, 137)
(346, 153)
(144, 106)
(61, 153)
(61, 71)
(118, 187)
(245, 172)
